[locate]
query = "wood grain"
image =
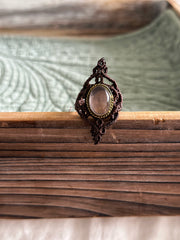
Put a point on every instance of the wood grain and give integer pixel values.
(49, 166)
(88, 17)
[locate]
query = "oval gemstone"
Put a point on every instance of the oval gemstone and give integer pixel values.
(99, 100)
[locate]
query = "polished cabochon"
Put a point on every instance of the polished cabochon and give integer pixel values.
(100, 100)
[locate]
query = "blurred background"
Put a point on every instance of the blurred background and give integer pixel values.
(48, 48)
(61, 17)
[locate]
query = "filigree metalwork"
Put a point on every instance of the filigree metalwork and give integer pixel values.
(99, 123)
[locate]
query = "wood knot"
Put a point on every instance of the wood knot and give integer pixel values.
(158, 120)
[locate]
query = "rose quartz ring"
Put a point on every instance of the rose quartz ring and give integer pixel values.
(99, 103)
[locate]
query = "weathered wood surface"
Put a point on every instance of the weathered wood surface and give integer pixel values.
(78, 17)
(49, 166)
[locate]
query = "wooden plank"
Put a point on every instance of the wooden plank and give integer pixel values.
(80, 17)
(154, 117)
(49, 166)
(113, 176)
(81, 155)
(83, 135)
(86, 147)
(70, 120)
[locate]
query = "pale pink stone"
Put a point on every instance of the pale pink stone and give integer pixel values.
(99, 100)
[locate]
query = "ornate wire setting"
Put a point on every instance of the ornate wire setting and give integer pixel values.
(99, 123)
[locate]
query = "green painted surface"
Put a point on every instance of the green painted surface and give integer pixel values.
(43, 74)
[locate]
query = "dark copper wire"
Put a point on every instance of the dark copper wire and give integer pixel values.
(99, 125)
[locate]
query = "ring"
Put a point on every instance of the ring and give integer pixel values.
(99, 101)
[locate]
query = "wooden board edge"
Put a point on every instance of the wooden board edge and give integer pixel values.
(62, 116)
